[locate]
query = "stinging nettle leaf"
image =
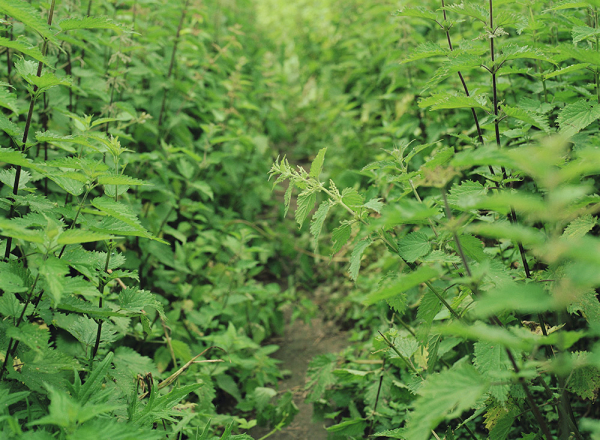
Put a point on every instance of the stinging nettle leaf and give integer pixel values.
(340, 237)
(317, 164)
(306, 202)
(414, 246)
(29, 16)
(90, 23)
(575, 117)
(317, 222)
(404, 282)
(356, 256)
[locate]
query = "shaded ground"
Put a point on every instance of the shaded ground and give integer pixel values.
(299, 345)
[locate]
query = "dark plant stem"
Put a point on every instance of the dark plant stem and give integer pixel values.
(377, 398)
(534, 407)
(464, 84)
(172, 63)
(8, 60)
(26, 132)
(101, 289)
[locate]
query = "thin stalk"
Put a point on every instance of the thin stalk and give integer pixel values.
(79, 208)
(172, 63)
(100, 321)
(377, 397)
(26, 131)
(534, 407)
(400, 355)
(464, 84)
(455, 235)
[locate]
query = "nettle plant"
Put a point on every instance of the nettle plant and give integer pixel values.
(494, 232)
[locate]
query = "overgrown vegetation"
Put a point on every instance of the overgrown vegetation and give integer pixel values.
(448, 151)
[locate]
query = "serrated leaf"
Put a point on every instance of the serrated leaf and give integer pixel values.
(133, 300)
(575, 117)
(444, 395)
(417, 12)
(404, 282)
(470, 10)
(320, 375)
(580, 226)
(580, 33)
(262, 397)
(423, 51)
(16, 134)
(514, 52)
(122, 213)
(306, 202)
(24, 47)
(493, 363)
(466, 193)
(29, 16)
(119, 179)
(340, 237)
(356, 256)
(77, 236)
(351, 198)
(445, 100)
(53, 272)
(588, 305)
(11, 228)
(28, 71)
(531, 118)
(317, 222)
(569, 69)
(90, 23)
(525, 235)
(375, 205)
(317, 164)
(8, 100)
(413, 246)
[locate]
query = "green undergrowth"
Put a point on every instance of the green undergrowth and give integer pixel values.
(140, 275)
(464, 197)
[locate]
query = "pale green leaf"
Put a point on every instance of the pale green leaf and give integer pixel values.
(317, 222)
(444, 100)
(90, 23)
(472, 10)
(531, 118)
(413, 246)
(340, 237)
(306, 202)
(569, 69)
(122, 213)
(24, 47)
(403, 283)
(8, 100)
(53, 272)
(580, 226)
(423, 51)
(445, 395)
(580, 33)
(317, 164)
(29, 16)
(356, 256)
(417, 12)
(351, 198)
(575, 117)
(375, 205)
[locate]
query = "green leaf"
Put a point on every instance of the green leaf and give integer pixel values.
(16, 134)
(405, 211)
(11, 228)
(466, 193)
(518, 297)
(119, 179)
(317, 164)
(580, 226)
(53, 272)
(77, 236)
(588, 305)
(444, 396)
(531, 118)
(404, 282)
(351, 198)
(569, 69)
(90, 23)
(320, 375)
(123, 214)
(575, 117)
(340, 237)
(29, 16)
(356, 256)
(136, 301)
(413, 246)
(317, 222)
(28, 71)
(417, 12)
(160, 407)
(525, 235)
(24, 47)
(306, 202)
(580, 33)
(493, 363)
(445, 100)
(470, 10)
(584, 381)
(95, 380)
(262, 397)
(8, 100)
(375, 205)
(426, 50)
(355, 427)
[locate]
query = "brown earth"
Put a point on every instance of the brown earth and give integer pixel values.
(300, 343)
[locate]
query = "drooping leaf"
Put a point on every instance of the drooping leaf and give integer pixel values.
(404, 282)
(340, 237)
(24, 47)
(317, 222)
(122, 213)
(90, 23)
(306, 202)
(580, 226)
(531, 118)
(28, 15)
(444, 101)
(444, 395)
(577, 116)
(356, 256)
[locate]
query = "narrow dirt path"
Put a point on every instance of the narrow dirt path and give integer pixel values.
(299, 345)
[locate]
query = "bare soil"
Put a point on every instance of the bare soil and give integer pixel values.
(299, 345)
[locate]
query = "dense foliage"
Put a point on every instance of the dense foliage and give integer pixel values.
(448, 152)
